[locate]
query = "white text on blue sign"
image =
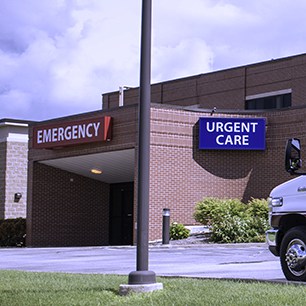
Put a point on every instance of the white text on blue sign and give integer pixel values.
(232, 133)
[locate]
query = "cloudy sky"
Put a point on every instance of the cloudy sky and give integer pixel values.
(57, 57)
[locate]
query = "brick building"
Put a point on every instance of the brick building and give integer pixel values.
(69, 205)
(13, 168)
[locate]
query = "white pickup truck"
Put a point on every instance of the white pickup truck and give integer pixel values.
(287, 218)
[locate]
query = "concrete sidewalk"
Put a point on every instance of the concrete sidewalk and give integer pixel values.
(237, 261)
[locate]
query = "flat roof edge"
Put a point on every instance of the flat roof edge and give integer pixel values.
(14, 122)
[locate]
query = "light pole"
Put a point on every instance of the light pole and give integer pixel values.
(142, 275)
(142, 279)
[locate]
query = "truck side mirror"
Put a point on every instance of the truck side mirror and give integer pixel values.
(293, 160)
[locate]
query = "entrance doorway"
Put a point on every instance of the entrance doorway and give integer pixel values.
(121, 213)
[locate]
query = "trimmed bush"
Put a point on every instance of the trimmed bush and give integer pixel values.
(233, 221)
(12, 232)
(211, 210)
(178, 231)
(230, 229)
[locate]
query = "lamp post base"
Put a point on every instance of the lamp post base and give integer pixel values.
(127, 289)
(140, 282)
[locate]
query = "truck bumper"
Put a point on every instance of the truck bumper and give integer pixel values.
(271, 236)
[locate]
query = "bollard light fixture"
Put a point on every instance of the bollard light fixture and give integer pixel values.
(166, 212)
(166, 226)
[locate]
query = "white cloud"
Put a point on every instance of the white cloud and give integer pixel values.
(190, 56)
(67, 53)
(16, 101)
(58, 57)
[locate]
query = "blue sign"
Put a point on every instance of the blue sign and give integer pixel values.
(232, 133)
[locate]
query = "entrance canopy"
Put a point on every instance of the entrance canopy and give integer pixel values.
(116, 166)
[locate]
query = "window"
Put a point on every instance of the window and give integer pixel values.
(269, 102)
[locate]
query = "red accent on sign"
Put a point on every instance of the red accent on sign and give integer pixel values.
(107, 128)
(47, 136)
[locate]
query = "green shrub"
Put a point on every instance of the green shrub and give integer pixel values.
(233, 221)
(12, 232)
(178, 231)
(258, 208)
(231, 229)
(211, 210)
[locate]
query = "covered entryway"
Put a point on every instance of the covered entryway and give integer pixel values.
(78, 206)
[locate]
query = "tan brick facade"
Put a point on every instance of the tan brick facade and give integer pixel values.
(2, 178)
(181, 174)
(13, 168)
(16, 179)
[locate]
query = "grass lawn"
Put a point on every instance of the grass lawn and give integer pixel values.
(29, 288)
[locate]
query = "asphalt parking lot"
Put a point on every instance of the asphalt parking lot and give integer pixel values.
(230, 261)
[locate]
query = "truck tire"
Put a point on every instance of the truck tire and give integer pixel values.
(293, 254)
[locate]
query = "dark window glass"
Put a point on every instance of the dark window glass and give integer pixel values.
(287, 100)
(250, 104)
(272, 102)
(269, 102)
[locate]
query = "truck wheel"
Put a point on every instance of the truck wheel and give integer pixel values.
(293, 254)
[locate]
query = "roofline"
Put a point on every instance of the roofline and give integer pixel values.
(274, 60)
(14, 122)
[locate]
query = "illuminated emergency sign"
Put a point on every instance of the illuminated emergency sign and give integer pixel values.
(72, 133)
(232, 133)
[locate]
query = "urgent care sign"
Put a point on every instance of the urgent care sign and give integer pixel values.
(72, 133)
(232, 133)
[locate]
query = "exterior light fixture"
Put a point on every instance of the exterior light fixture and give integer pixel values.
(17, 197)
(96, 171)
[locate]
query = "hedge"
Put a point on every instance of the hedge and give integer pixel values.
(12, 232)
(232, 221)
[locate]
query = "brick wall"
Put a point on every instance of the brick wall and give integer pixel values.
(78, 211)
(182, 175)
(226, 89)
(16, 179)
(13, 167)
(2, 178)
(69, 210)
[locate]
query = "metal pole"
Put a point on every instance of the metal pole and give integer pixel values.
(142, 275)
